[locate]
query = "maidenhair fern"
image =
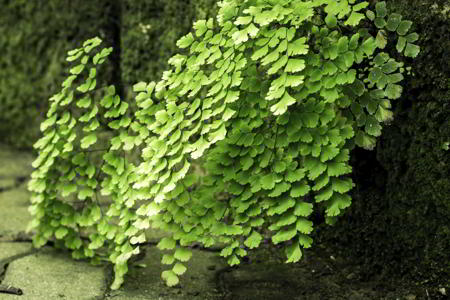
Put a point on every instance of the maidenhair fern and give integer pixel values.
(244, 137)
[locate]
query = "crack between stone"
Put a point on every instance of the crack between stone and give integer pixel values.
(17, 182)
(4, 263)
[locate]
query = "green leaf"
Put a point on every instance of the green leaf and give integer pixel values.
(84, 102)
(183, 254)
(167, 259)
(268, 181)
(380, 23)
(401, 43)
(68, 189)
(92, 73)
(64, 119)
(369, 46)
(411, 50)
(240, 37)
(140, 87)
(61, 232)
(403, 27)
(389, 67)
(185, 41)
(179, 268)
(253, 240)
(74, 54)
(324, 195)
(79, 159)
(68, 82)
(228, 114)
(331, 20)
(342, 185)
(370, 15)
(294, 80)
(85, 193)
(162, 116)
(362, 140)
(47, 123)
(299, 189)
(258, 54)
(328, 152)
(282, 106)
(304, 226)
(295, 65)
(138, 239)
(337, 203)
(342, 44)
(384, 114)
(284, 235)
(329, 68)
(77, 69)
(166, 243)
(297, 47)
(353, 43)
(375, 74)
(200, 27)
(381, 10)
(354, 18)
(271, 57)
(295, 175)
(393, 91)
(278, 65)
(303, 209)
(170, 278)
(293, 253)
(233, 260)
(360, 6)
(381, 39)
(266, 17)
(281, 207)
(412, 37)
(86, 86)
(90, 171)
(309, 119)
(393, 22)
(88, 141)
(279, 189)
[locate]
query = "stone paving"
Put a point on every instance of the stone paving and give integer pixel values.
(48, 274)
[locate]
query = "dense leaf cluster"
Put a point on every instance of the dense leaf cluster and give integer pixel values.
(244, 137)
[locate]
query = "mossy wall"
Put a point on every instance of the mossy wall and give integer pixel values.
(399, 222)
(34, 39)
(150, 30)
(36, 35)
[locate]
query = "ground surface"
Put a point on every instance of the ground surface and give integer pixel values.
(51, 274)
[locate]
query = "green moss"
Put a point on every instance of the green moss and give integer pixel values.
(36, 36)
(399, 221)
(150, 30)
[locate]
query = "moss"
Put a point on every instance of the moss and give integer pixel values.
(399, 221)
(36, 36)
(150, 30)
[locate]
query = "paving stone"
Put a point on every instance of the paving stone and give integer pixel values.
(14, 215)
(146, 284)
(7, 183)
(50, 274)
(14, 163)
(12, 249)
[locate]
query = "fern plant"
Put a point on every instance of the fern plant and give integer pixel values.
(245, 136)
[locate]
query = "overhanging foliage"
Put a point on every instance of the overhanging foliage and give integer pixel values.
(268, 102)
